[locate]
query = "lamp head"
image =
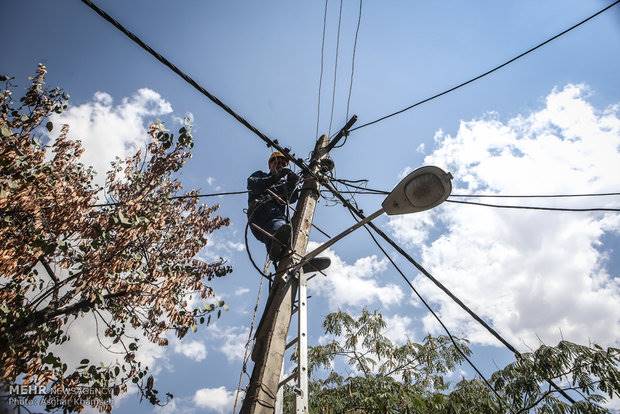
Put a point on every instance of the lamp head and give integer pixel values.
(420, 190)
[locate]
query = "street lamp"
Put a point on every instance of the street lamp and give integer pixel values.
(420, 190)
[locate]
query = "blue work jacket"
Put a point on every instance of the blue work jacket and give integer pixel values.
(261, 205)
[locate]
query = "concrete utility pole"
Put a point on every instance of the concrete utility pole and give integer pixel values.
(270, 345)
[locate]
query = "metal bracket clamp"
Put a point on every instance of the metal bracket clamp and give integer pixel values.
(311, 184)
(291, 274)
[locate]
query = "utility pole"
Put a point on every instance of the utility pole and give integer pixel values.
(270, 345)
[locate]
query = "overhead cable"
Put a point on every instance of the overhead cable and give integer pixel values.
(305, 168)
(533, 207)
(533, 195)
(246, 353)
(437, 283)
(357, 30)
(178, 197)
(370, 191)
(331, 118)
(384, 192)
(197, 86)
(345, 131)
(270, 143)
(488, 72)
(445, 328)
(318, 105)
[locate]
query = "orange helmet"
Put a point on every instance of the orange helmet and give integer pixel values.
(275, 155)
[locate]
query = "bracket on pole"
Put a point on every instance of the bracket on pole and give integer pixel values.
(344, 131)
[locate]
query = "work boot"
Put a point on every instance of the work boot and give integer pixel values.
(281, 246)
(316, 264)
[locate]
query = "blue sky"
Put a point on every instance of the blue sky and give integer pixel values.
(263, 59)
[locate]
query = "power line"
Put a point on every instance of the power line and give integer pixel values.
(178, 197)
(488, 72)
(197, 86)
(363, 189)
(402, 274)
(301, 164)
(316, 227)
(318, 106)
(458, 348)
(533, 196)
(370, 191)
(437, 283)
(270, 143)
(366, 190)
(357, 30)
(331, 118)
(445, 328)
(246, 355)
(532, 207)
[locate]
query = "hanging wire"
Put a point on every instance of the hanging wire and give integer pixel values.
(331, 117)
(488, 72)
(357, 30)
(445, 328)
(535, 207)
(246, 354)
(159, 57)
(179, 197)
(533, 196)
(437, 283)
(318, 105)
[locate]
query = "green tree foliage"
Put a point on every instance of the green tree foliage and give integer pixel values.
(130, 265)
(360, 370)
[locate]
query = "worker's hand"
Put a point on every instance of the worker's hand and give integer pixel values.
(291, 177)
(278, 175)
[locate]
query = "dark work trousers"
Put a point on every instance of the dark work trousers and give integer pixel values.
(269, 223)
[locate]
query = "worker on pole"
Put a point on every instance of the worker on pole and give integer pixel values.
(269, 195)
(268, 199)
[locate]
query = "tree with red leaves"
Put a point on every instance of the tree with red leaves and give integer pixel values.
(132, 263)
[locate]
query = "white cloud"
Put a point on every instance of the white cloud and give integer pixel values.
(403, 173)
(178, 405)
(188, 118)
(218, 400)
(210, 180)
(413, 228)
(527, 272)
(107, 130)
(195, 350)
(354, 285)
(232, 340)
(398, 329)
(612, 404)
(221, 246)
(241, 291)
(169, 408)
(237, 246)
(83, 343)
